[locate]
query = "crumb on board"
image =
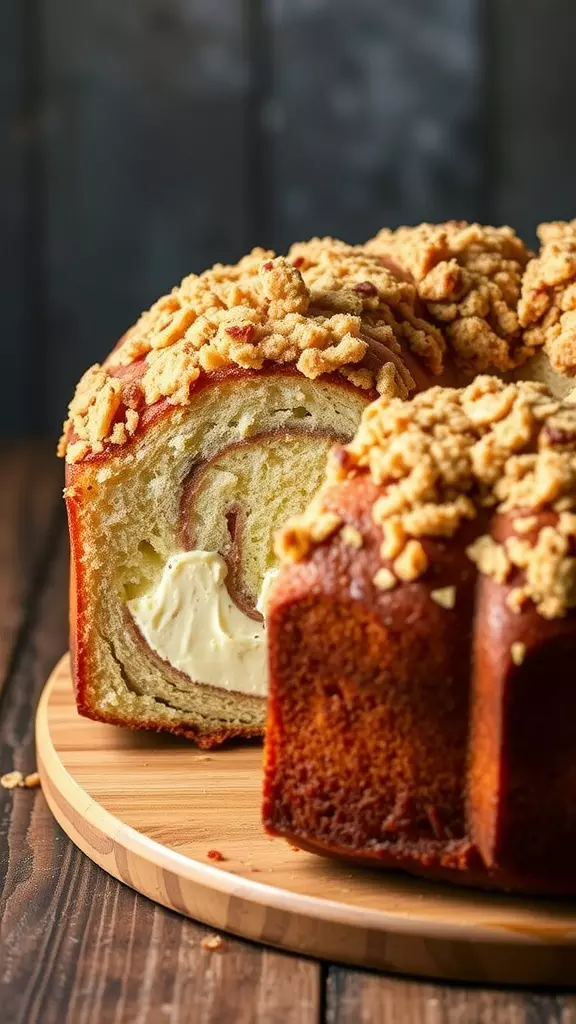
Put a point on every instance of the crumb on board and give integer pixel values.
(212, 943)
(16, 780)
(215, 855)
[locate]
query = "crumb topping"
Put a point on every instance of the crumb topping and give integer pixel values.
(17, 780)
(334, 309)
(412, 562)
(351, 536)
(353, 278)
(384, 579)
(518, 652)
(447, 455)
(12, 780)
(468, 277)
(547, 309)
(445, 597)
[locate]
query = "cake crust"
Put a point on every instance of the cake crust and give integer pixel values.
(399, 665)
(255, 314)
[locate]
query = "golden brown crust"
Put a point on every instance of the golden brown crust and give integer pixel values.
(260, 312)
(446, 456)
(350, 276)
(468, 278)
(416, 709)
(547, 309)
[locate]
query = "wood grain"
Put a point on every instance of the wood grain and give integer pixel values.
(30, 513)
(354, 998)
(150, 810)
(76, 947)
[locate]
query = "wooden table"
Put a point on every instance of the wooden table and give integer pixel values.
(77, 947)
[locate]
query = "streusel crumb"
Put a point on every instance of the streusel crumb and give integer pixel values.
(445, 597)
(547, 308)
(16, 780)
(12, 780)
(411, 562)
(468, 277)
(332, 268)
(327, 308)
(518, 652)
(447, 455)
(384, 579)
(351, 536)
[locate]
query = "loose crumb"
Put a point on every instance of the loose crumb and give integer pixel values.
(518, 652)
(215, 855)
(446, 455)
(12, 780)
(547, 308)
(16, 780)
(351, 536)
(212, 943)
(384, 579)
(525, 524)
(490, 558)
(444, 596)
(412, 562)
(517, 598)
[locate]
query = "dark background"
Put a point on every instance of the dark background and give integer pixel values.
(143, 139)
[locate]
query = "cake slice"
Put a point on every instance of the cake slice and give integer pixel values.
(422, 656)
(206, 427)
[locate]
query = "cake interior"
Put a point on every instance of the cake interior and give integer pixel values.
(200, 481)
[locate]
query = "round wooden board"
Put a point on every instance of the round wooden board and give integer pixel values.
(149, 808)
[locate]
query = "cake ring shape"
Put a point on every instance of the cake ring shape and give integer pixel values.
(422, 657)
(207, 426)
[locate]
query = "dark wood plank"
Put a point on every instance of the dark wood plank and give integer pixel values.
(532, 111)
(354, 997)
(375, 114)
(30, 499)
(76, 946)
(145, 163)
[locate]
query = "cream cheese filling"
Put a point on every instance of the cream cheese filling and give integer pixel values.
(190, 620)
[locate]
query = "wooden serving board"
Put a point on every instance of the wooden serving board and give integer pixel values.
(148, 809)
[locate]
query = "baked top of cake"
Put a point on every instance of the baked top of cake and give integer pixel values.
(422, 637)
(208, 425)
(547, 309)
(387, 316)
(261, 311)
(448, 455)
(469, 278)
